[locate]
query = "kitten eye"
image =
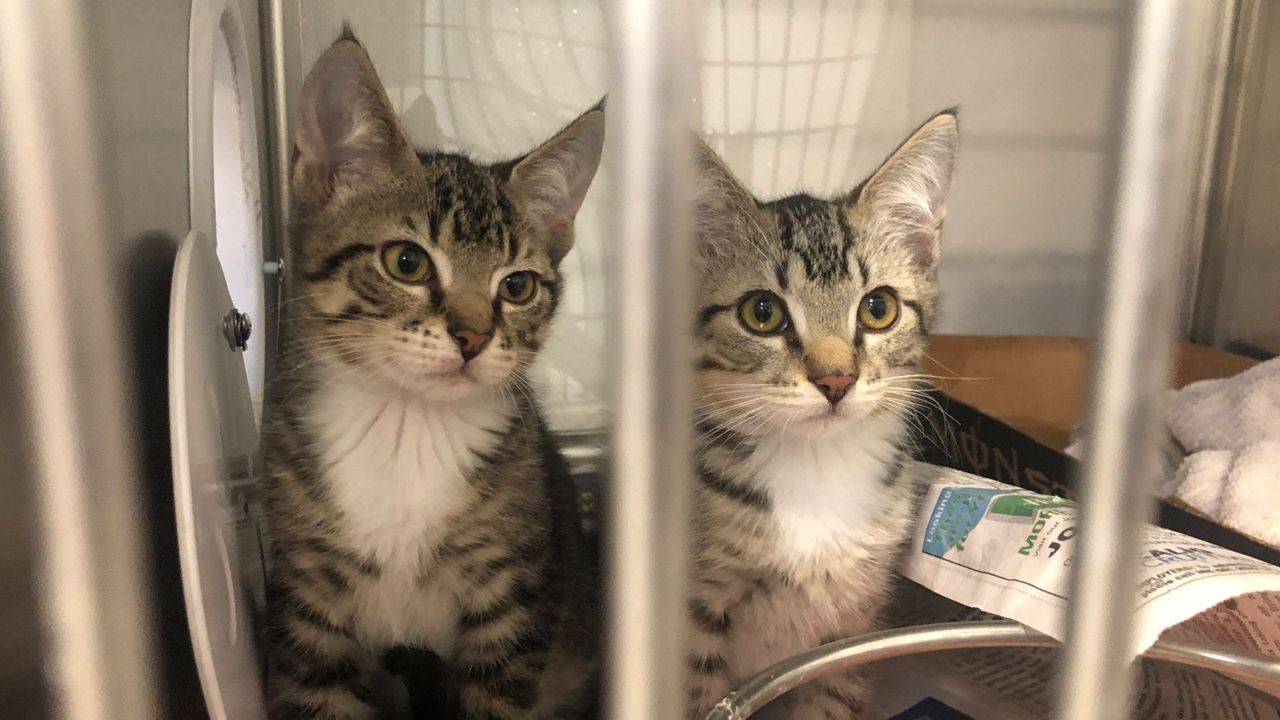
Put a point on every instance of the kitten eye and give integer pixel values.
(878, 309)
(407, 262)
(518, 287)
(763, 313)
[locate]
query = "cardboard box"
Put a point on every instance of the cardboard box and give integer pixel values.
(1007, 406)
(1039, 385)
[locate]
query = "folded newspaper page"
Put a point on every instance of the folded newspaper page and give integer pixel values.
(1016, 684)
(982, 548)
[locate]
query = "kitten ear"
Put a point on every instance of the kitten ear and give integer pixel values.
(905, 196)
(550, 183)
(348, 133)
(723, 208)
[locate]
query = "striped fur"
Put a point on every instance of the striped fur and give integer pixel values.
(415, 497)
(801, 505)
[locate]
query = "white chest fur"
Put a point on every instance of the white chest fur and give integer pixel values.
(396, 468)
(827, 494)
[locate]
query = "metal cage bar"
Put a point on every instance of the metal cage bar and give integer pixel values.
(279, 146)
(92, 594)
(1132, 357)
(651, 254)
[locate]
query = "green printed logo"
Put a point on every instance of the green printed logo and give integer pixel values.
(1025, 505)
(1039, 507)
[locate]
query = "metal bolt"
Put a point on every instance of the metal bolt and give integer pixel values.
(236, 327)
(273, 267)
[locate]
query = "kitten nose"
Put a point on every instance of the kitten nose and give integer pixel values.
(833, 386)
(470, 342)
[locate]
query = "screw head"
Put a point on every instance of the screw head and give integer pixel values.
(236, 328)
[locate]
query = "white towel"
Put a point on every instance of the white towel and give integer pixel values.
(1223, 454)
(1230, 429)
(1165, 458)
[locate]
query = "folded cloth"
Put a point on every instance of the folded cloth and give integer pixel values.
(1198, 481)
(1251, 495)
(1228, 413)
(1230, 429)
(1166, 457)
(1223, 451)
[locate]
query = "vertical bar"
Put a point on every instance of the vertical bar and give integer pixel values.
(1131, 361)
(1228, 193)
(75, 410)
(1213, 143)
(652, 320)
(275, 69)
(275, 73)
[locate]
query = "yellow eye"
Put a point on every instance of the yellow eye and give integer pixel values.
(878, 309)
(518, 287)
(763, 313)
(407, 262)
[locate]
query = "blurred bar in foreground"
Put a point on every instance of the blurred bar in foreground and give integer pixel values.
(75, 400)
(1149, 232)
(651, 313)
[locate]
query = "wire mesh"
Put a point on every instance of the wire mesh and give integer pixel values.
(782, 95)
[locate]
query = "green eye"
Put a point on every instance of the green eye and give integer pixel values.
(518, 287)
(407, 262)
(878, 309)
(763, 313)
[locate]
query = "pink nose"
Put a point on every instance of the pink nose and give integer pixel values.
(470, 342)
(833, 386)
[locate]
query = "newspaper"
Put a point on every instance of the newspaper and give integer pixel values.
(1018, 684)
(984, 549)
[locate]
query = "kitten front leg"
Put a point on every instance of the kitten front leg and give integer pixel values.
(841, 696)
(504, 636)
(706, 689)
(709, 679)
(317, 670)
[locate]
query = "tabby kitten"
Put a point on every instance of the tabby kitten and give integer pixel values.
(813, 323)
(415, 497)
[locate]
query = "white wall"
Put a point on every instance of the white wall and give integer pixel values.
(1036, 82)
(799, 94)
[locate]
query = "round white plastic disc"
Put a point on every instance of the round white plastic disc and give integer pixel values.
(215, 466)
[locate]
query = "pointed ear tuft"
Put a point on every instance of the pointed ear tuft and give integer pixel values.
(348, 133)
(348, 34)
(905, 197)
(724, 209)
(550, 183)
